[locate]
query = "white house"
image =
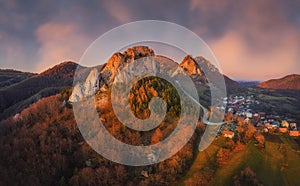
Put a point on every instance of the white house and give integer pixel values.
(228, 134)
(293, 126)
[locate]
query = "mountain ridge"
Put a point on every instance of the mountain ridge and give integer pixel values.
(288, 82)
(9, 77)
(44, 84)
(52, 80)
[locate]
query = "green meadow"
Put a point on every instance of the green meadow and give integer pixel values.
(277, 164)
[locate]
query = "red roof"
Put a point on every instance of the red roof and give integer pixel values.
(294, 133)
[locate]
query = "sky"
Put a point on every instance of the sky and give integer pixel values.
(252, 40)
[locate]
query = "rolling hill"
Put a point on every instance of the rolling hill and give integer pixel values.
(290, 82)
(20, 95)
(9, 77)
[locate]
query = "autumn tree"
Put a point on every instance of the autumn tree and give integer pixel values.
(223, 156)
(245, 131)
(157, 136)
(260, 139)
(246, 178)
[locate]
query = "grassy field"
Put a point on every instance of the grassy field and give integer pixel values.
(204, 159)
(276, 98)
(277, 164)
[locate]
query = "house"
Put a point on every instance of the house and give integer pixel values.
(274, 126)
(266, 130)
(293, 126)
(247, 121)
(283, 130)
(294, 133)
(284, 123)
(275, 123)
(228, 134)
(268, 125)
(248, 114)
(262, 115)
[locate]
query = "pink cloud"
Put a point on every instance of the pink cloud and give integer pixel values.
(208, 6)
(118, 10)
(9, 3)
(240, 61)
(259, 42)
(59, 42)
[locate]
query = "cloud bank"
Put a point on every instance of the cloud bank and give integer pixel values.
(254, 40)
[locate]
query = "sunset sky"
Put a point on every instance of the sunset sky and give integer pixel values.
(252, 40)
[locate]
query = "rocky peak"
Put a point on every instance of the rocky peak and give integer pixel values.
(116, 60)
(190, 65)
(119, 60)
(192, 68)
(206, 65)
(138, 52)
(85, 88)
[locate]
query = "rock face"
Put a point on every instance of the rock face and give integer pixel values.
(86, 88)
(101, 81)
(201, 70)
(77, 93)
(118, 61)
(108, 73)
(140, 67)
(139, 52)
(192, 68)
(167, 64)
(206, 65)
(145, 60)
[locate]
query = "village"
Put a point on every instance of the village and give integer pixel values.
(242, 107)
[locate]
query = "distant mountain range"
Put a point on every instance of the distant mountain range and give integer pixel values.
(290, 82)
(249, 83)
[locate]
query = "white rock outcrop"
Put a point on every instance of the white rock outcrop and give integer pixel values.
(87, 88)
